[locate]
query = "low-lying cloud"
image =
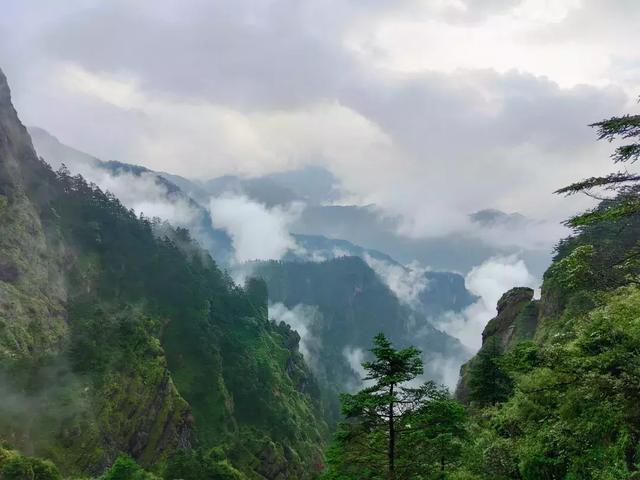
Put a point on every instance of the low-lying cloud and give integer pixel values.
(355, 357)
(303, 319)
(445, 369)
(147, 196)
(257, 232)
(488, 281)
(406, 282)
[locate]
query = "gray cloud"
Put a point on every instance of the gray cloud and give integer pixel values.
(488, 281)
(430, 110)
(304, 319)
(257, 232)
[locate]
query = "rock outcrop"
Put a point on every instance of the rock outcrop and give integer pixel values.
(516, 321)
(82, 421)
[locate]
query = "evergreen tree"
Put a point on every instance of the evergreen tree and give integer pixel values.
(394, 431)
(378, 405)
(126, 468)
(625, 130)
(488, 382)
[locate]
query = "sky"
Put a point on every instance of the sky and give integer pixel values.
(429, 109)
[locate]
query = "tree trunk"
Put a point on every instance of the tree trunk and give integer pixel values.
(392, 438)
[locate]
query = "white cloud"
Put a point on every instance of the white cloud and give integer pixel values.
(488, 281)
(421, 38)
(430, 110)
(355, 357)
(257, 232)
(406, 282)
(143, 193)
(303, 319)
(525, 235)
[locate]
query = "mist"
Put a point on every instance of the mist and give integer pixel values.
(304, 319)
(354, 357)
(406, 282)
(257, 232)
(488, 281)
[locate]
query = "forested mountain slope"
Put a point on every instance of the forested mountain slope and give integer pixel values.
(116, 339)
(148, 192)
(439, 291)
(351, 305)
(555, 387)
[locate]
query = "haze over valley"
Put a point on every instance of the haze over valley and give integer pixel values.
(319, 240)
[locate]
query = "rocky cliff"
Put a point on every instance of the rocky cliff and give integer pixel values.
(515, 322)
(115, 338)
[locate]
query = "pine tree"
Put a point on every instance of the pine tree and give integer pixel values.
(488, 382)
(625, 185)
(395, 431)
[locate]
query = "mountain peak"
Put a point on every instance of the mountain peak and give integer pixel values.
(5, 93)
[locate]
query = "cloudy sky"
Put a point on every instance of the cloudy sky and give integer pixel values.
(430, 109)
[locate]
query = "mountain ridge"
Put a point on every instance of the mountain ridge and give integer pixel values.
(141, 351)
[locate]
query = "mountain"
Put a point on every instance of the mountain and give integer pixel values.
(146, 191)
(340, 305)
(554, 389)
(435, 292)
(363, 225)
(119, 334)
(311, 185)
(183, 203)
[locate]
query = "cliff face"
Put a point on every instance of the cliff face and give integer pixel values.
(114, 339)
(516, 321)
(49, 407)
(32, 292)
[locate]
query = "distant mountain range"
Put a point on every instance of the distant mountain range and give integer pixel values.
(361, 225)
(356, 291)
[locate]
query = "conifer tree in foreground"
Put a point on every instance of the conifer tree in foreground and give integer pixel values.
(392, 430)
(488, 382)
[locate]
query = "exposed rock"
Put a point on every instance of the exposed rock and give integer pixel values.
(86, 427)
(8, 272)
(510, 306)
(516, 321)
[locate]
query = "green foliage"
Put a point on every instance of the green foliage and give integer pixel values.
(195, 465)
(18, 467)
(573, 413)
(393, 430)
(624, 127)
(125, 468)
(489, 383)
(574, 271)
(624, 183)
(620, 209)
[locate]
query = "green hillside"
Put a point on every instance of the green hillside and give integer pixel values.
(114, 339)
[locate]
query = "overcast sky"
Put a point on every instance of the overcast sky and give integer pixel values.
(430, 109)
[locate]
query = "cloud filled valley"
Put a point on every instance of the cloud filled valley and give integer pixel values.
(319, 240)
(247, 222)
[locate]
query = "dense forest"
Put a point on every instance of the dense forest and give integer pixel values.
(552, 393)
(115, 339)
(126, 352)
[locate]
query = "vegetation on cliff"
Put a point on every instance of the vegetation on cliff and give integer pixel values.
(120, 335)
(553, 392)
